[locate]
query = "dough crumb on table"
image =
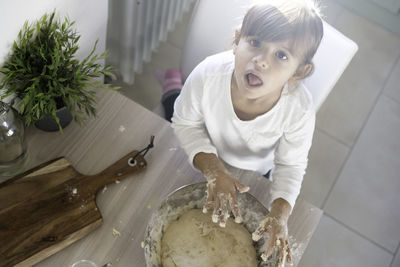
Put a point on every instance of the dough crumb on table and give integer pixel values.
(115, 232)
(194, 240)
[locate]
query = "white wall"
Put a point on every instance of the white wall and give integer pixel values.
(90, 18)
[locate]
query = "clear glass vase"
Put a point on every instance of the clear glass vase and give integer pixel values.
(12, 142)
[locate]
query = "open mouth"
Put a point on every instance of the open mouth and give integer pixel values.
(253, 80)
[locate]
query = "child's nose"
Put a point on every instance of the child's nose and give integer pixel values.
(261, 61)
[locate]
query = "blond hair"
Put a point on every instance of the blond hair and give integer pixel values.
(296, 21)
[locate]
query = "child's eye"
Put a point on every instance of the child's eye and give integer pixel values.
(255, 43)
(281, 55)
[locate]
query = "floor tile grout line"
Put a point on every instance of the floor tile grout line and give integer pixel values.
(390, 98)
(323, 206)
(358, 233)
(394, 256)
(391, 72)
(333, 137)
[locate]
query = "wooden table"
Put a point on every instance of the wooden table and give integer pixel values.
(123, 126)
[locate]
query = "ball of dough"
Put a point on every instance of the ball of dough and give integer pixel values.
(194, 240)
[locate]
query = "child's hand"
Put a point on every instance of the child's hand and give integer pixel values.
(221, 195)
(275, 224)
(221, 188)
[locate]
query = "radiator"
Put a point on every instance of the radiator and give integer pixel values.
(135, 29)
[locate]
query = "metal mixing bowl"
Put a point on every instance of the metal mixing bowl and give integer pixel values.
(193, 196)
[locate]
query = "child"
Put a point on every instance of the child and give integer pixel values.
(247, 107)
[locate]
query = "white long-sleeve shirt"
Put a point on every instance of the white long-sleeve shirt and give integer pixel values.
(204, 120)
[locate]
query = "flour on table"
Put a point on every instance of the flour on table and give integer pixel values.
(121, 128)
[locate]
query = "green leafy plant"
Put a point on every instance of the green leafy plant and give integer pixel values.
(44, 74)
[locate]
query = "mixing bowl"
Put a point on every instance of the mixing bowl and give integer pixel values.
(193, 196)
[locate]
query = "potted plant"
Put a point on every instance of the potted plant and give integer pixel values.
(42, 71)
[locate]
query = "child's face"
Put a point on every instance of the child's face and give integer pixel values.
(263, 68)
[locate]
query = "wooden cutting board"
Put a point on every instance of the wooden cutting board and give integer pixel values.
(51, 206)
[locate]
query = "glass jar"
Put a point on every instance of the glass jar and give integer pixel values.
(12, 142)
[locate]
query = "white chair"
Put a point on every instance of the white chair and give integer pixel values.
(212, 28)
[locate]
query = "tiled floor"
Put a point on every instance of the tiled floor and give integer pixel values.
(354, 168)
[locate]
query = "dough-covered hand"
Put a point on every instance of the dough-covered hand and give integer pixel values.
(278, 238)
(221, 196)
(221, 188)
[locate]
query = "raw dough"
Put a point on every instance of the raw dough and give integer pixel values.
(194, 240)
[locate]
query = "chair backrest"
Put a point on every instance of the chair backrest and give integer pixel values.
(212, 28)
